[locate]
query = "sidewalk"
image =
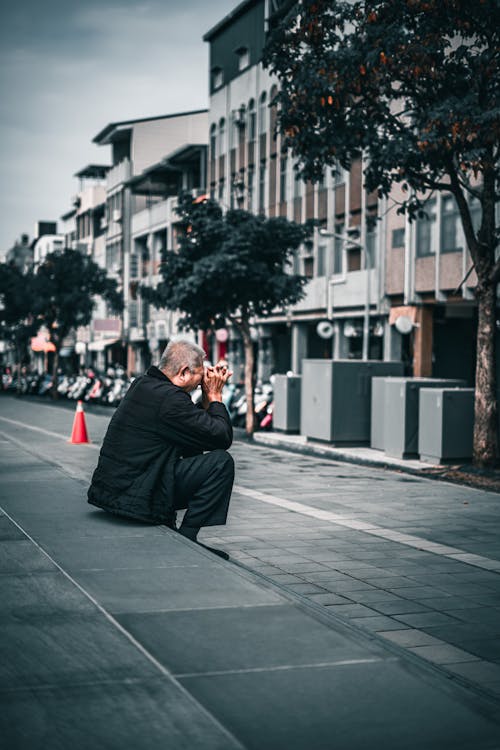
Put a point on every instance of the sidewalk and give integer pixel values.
(360, 608)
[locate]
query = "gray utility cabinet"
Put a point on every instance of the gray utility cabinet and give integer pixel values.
(286, 413)
(401, 413)
(378, 413)
(446, 424)
(336, 398)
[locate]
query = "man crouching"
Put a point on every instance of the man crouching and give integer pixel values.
(153, 460)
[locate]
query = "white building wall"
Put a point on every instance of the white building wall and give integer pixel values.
(152, 140)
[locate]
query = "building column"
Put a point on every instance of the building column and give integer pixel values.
(392, 343)
(299, 346)
(422, 343)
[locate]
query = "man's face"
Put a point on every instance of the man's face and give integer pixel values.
(191, 380)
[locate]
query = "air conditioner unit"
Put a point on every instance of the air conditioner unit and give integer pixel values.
(117, 215)
(103, 223)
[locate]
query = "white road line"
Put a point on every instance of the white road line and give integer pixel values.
(453, 553)
(42, 430)
(285, 667)
(159, 666)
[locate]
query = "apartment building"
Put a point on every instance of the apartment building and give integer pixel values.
(152, 158)
(379, 287)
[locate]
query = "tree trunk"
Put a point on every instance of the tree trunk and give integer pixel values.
(485, 407)
(249, 366)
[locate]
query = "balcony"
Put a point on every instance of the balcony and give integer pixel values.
(315, 297)
(118, 174)
(150, 219)
(350, 291)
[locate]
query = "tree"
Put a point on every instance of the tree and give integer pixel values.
(17, 323)
(413, 86)
(229, 268)
(66, 284)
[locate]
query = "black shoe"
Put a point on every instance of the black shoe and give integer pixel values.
(218, 552)
(171, 522)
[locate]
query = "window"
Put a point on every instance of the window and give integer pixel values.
(221, 191)
(283, 178)
(213, 141)
(371, 242)
(476, 213)
(426, 230)
(297, 186)
(252, 121)
(262, 113)
(321, 265)
(251, 175)
(398, 237)
(450, 225)
(309, 267)
(339, 175)
(262, 186)
(338, 250)
(134, 266)
(243, 58)
(222, 136)
(132, 312)
(217, 77)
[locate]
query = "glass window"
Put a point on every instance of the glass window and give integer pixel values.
(426, 231)
(476, 212)
(263, 113)
(243, 58)
(134, 266)
(450, 225)
(283, 178)
(309, 267)
(297, 186)
(217, 77)
(252, 120)
(321, 265)
(222, 136)
(338, 250)
(221, 190)
(213, 141)
(251, 175)
(262, 186)
(398, 237)
(371, 242)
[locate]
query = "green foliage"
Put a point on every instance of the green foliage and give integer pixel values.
(17, 294)
(66, 284)
(229, 266)
(413, 84)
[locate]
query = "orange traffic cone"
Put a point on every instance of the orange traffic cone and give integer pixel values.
(79, 433)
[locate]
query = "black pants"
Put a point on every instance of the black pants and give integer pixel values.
(203, 485)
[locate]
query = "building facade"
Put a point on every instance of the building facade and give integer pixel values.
(378, 287)
(151, 161)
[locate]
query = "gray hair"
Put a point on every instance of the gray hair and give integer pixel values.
(179, 354)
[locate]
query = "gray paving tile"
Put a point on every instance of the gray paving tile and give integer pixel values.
(8, 530)
(241, 638)
(209, 585)
(380, 623)
(144, 715)
(478, 671)
(443, 654)
(410, 637)
(403, 606)
(67, 649)
(26, 597)
(327, 598)
(426, 619)
(21, 556)
(295, 709)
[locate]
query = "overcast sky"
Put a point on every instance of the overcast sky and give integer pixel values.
(67, 68)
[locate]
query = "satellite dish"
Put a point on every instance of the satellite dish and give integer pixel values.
(325, 329)
(404, 324)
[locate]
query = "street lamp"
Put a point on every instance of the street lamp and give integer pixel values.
(361, 246)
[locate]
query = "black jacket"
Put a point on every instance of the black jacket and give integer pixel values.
(155, 424)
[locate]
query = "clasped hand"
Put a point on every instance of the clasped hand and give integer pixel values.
(214, 380)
